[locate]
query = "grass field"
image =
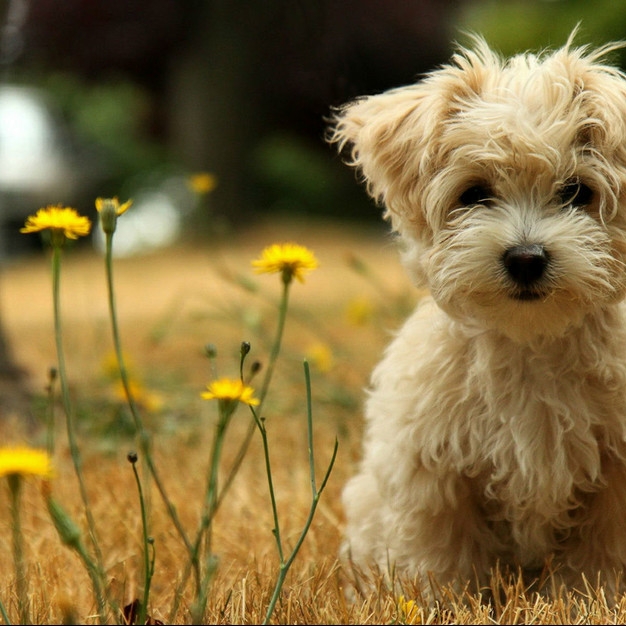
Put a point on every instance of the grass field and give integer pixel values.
(171, 304)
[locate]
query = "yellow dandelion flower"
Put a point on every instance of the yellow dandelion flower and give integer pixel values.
(289, 258)
(109, 210)
(359, 311)
(149, 400)
(60, 220)
(110, 365)
(229, 390)
(409, 612)
(321, 356)
(25, 461)
(202, 183)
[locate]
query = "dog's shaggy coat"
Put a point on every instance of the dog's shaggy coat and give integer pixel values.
(496, 421)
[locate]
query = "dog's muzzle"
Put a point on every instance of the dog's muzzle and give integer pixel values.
(526, 266)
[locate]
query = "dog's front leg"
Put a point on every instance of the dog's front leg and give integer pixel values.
(598, 544)
(431, 527)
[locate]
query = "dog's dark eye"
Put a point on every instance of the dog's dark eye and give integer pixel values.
(476, 194)
(574, 193)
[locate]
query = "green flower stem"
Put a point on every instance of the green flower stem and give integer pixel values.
(50, 426)
(211, 496)
(226, 411)
(275, 350)
(217, 497)
(21, 582)
(147, 543)
(65, 395)
(260, 422)
(144, 437)
(282, 317)
(241, 453)
(315, 497)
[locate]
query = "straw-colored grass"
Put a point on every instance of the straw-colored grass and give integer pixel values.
(171, 304)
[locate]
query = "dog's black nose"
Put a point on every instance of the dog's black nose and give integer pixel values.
(525, 264)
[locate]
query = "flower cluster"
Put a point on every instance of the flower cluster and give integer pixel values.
(290, 261)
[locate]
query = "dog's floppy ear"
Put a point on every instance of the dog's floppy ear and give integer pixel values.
(393, 138)
(388, 137)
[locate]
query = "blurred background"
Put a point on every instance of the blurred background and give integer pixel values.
(211, 114)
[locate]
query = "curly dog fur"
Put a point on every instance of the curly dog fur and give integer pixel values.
(496, 420)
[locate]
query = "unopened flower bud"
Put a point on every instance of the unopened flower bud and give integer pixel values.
(108, 215)
(67, 529)
(109, 210)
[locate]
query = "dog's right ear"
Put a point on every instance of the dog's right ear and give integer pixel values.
(394, 139)
(388, 139)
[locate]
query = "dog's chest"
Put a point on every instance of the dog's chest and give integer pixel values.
(541, 430)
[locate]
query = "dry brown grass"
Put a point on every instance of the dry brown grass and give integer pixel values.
(171, 304)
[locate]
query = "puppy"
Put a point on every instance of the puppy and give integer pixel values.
(496, 420)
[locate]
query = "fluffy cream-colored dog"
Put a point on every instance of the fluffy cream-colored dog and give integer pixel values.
(496, 421)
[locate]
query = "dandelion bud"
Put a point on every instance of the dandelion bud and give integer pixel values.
(245, 348)
(210, 350)
(108, 215)
(109, 210)
(132, 457)
(67, 529)
(255, 368)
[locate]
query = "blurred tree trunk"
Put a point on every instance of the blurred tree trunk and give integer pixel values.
(213, 117)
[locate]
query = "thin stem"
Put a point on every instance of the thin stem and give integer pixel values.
(241, 453)
(280, 329)
(148, 568)
(71, 435)
(212, 482)
(309, 422)
(226, 411)
(282, 316)
(50, 426)
(316, 494)
(275, 351)
(15, 484)
(270, 484)
(143, 435)
(212, 501)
